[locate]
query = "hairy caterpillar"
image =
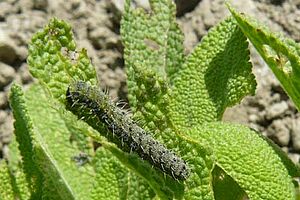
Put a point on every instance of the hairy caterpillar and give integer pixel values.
(96, 108)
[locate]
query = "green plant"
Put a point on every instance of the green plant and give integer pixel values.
(179, 99)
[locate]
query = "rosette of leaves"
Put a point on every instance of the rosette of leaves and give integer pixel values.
(178, 98)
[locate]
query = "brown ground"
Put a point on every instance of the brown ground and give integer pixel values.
(96, 27)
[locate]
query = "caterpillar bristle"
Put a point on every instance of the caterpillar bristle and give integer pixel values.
(97, 109)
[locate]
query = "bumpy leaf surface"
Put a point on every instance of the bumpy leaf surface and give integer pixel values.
(153, 54)
(281, 54)
(13, 183)
(6, 189)
(225, 188)
(152, 40)
(248, 159)
(25, 138)
(217, 74)
(54, 60)
(147, 39)
(13, 180)
(48, 169)
(117, 175)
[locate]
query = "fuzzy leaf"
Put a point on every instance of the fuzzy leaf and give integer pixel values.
(14, 156)
(201, 163)
(55, 151)
(225, 188)
(18, 186)
(25, 137)
(153, 40)
(281, 54)
(246, 157)
(150, 100)
(49, 140)
(153, 54)
(114, 181)
(149, 79)
(13, 183)
(6, 189)
(53, 59)
(55, 62)
(165, 187)
(217, 74)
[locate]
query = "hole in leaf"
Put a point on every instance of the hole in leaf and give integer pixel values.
(282, 61)
(225, 187)
(269, 51)
(151, 44)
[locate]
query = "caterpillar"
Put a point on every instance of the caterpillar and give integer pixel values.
(99, 111)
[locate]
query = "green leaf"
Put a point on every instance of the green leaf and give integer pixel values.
(293, 169)
(25, 136)
(246, 157)
(13, 183)
(225, 188)
(153, 54)
(13, 157)
(153, 40)
(54, 60)
(114, 181)
(164, 186)
(217, 74)
(282, 55)
(54, 151)
(201, 162)
(149, 101)
(49, 139)
(149, 79)
(13, 167)
(6, 189)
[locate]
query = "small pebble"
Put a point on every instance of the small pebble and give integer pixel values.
(279, 132)
(253, 118)
(7, 73)
(3, 100)
(3, 116)
(25, 74)
(294, 157)
(276, 110)
(8, 52)
(296, 134)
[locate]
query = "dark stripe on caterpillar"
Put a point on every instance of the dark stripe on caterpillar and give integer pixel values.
(95, 107)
